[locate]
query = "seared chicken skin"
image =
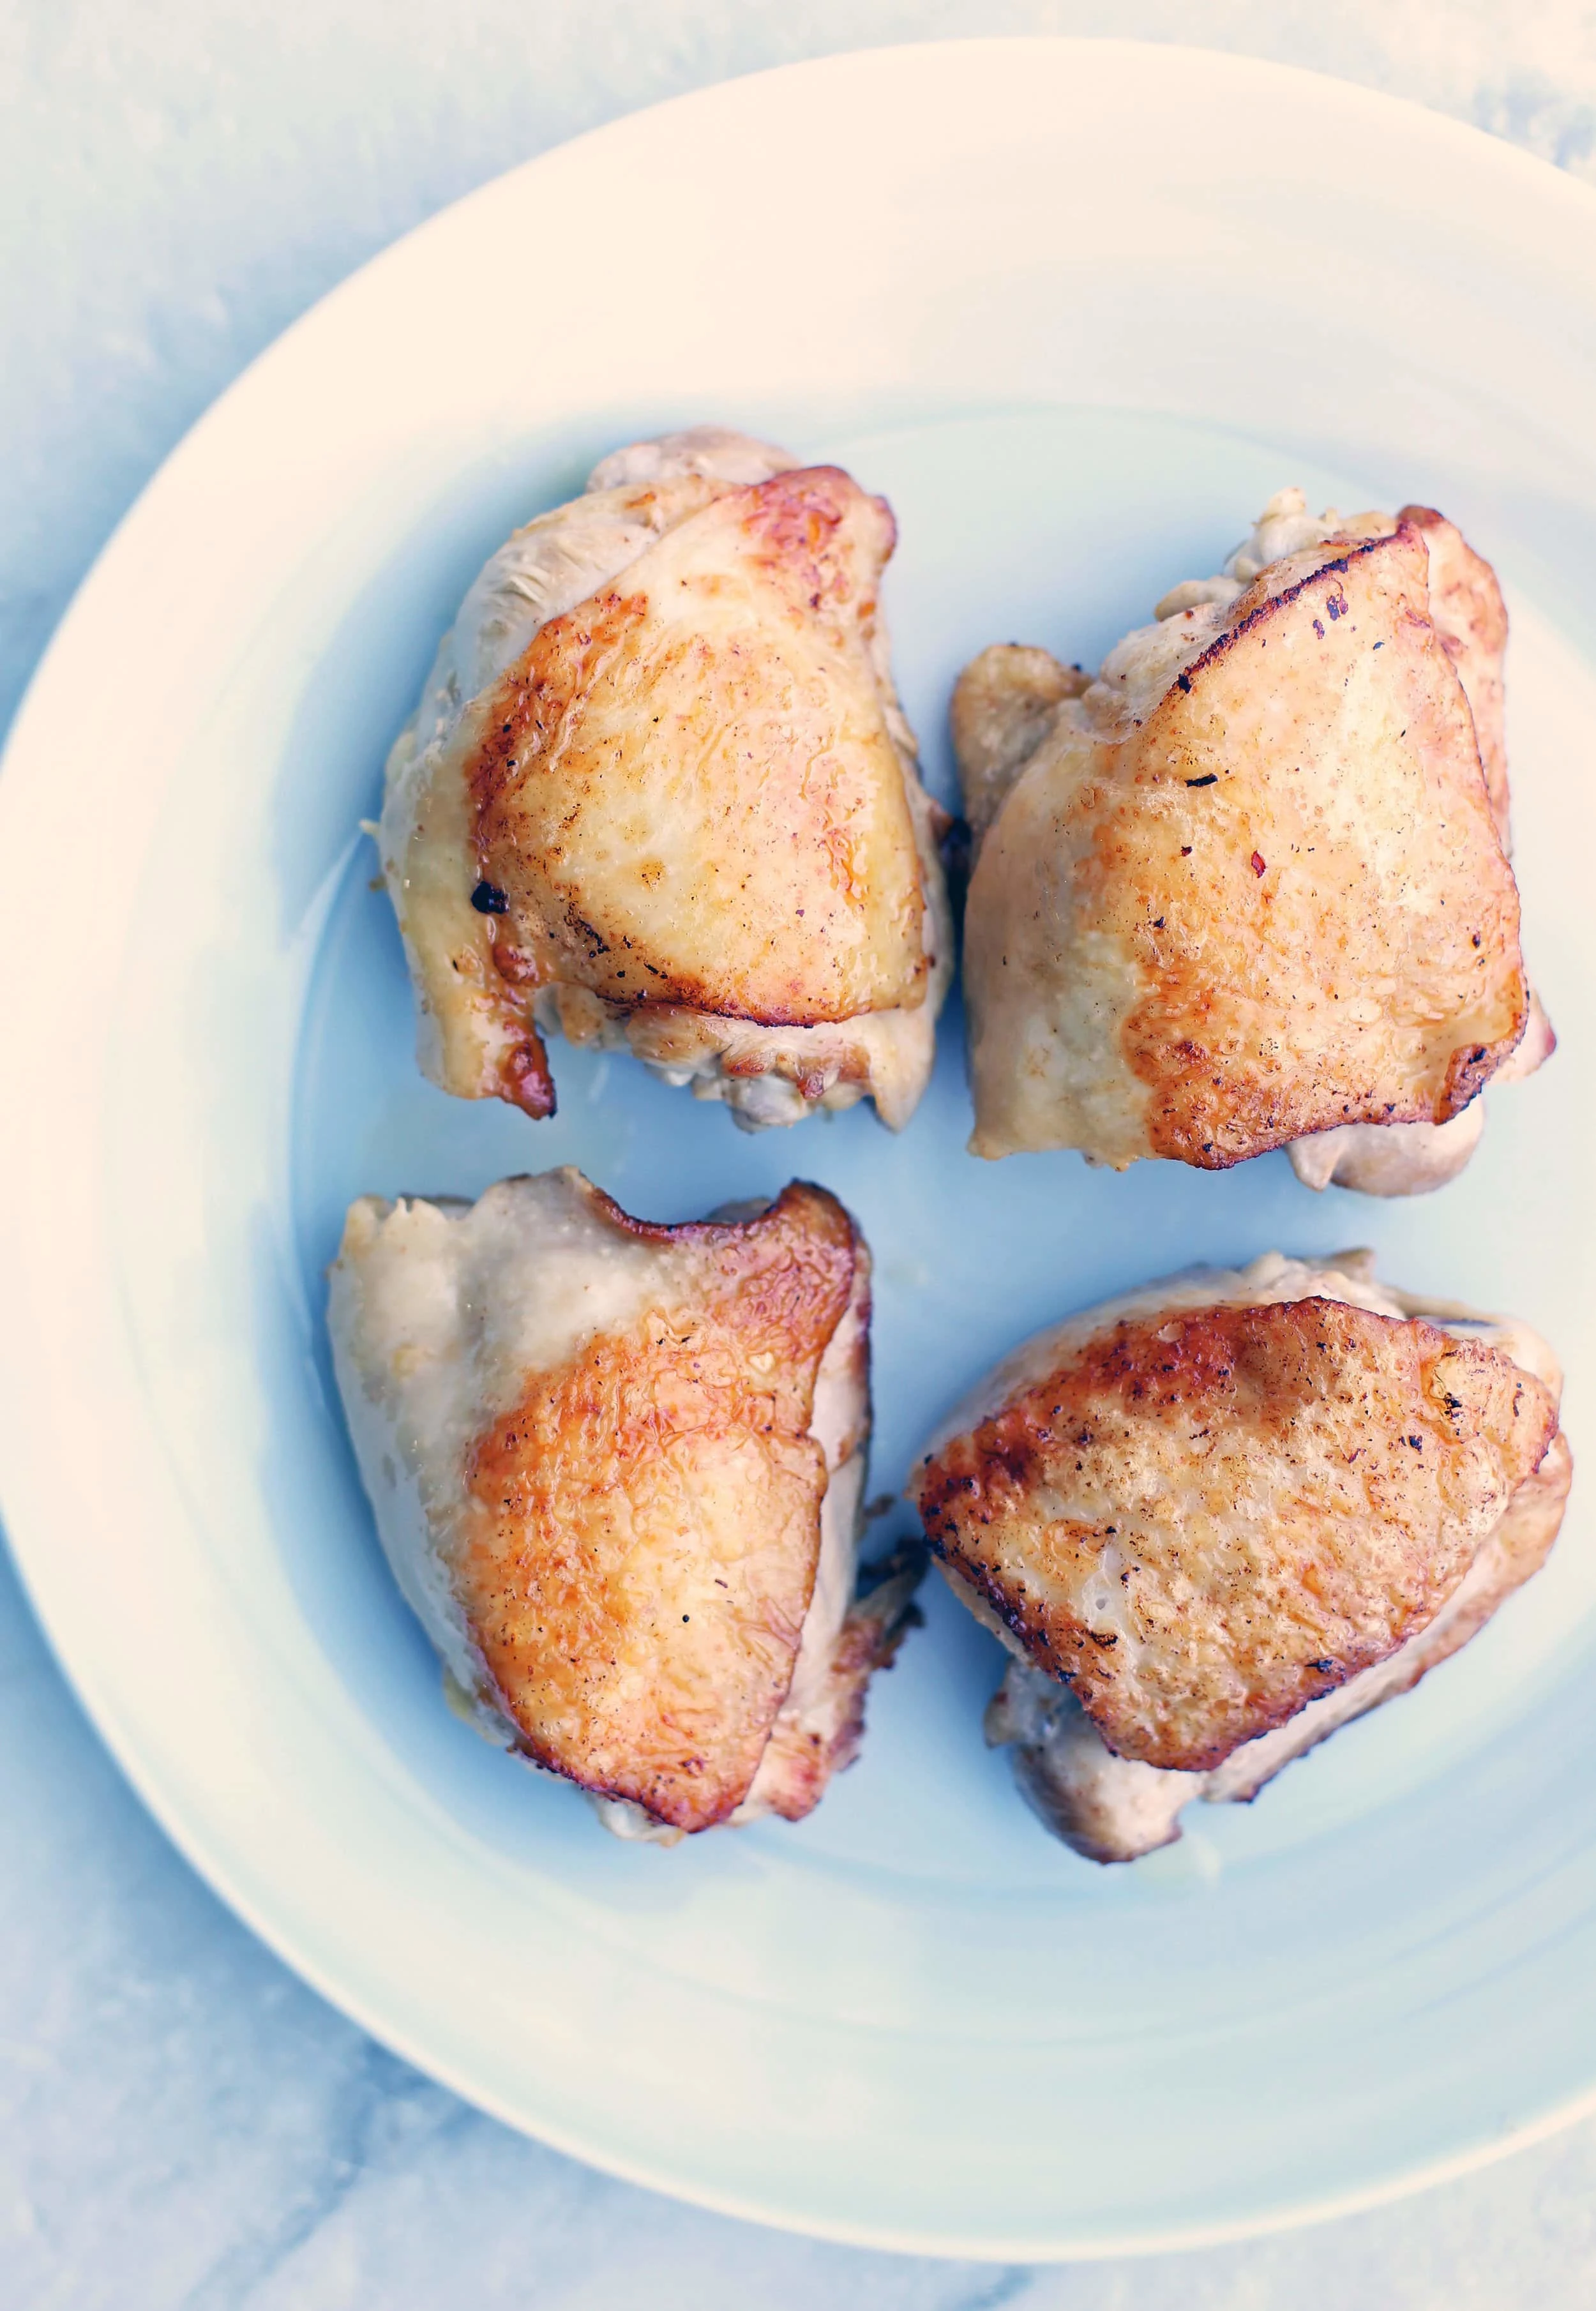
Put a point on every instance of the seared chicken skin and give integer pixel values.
(1248, 887)
(660, 796)
(1216, 1518)
(618, 1471)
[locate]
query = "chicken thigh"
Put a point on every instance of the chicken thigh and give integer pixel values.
(1214, 1519)
(660, 796)
(618, 1471)
(1248, 887)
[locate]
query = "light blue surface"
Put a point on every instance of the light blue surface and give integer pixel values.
(183, 2123)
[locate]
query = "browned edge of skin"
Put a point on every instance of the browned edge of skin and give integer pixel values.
(1273, 602)
(692, 1816)
(1467, 1073)
(1002, 1442)
(524, 1078)
(670, 1232)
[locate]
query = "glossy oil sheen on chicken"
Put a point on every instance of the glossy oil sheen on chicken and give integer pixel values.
(618, 1469)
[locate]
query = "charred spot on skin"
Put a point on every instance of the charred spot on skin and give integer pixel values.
(488, 899)
(1210, 779)
(592, 938)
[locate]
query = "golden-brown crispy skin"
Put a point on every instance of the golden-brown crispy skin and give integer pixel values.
(1470, 615)
(564, 848)
(646, 1520)
(1332, 925)
(686, 787)
(1113, 1808)
(1517, 1548)
(1206, 1524)
(1278, 905)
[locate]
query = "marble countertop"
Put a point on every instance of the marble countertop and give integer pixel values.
(181, 2121)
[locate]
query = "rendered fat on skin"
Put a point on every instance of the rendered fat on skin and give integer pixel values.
(1216, 1518)
(1249, 887)
(618, 1471)
(660, 796)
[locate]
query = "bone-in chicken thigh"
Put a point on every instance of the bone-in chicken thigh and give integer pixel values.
(660, 796)
(618, 1471)
(1216, 1518)
(1248, 887)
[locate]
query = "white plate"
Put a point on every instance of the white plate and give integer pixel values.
(1079, 308)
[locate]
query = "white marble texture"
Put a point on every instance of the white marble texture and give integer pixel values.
(182, 2123)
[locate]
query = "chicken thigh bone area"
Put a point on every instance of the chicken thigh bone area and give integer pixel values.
(660, 796)
(1248, 886)
(1216, 1518)
(618, 1471)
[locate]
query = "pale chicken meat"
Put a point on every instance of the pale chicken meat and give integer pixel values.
(1248, 886)
(618, 1471)
(660, 796)
(1214, 1519)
